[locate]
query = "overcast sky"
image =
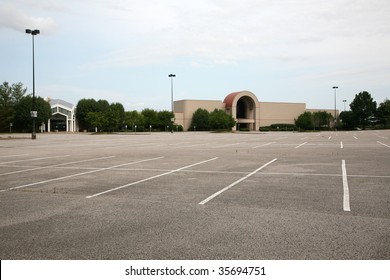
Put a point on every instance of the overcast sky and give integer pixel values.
(124, 50)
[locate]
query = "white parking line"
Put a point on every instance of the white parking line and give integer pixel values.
(301, 145)
(383, 144)
(32, 159)
(20, 155)
(52, 166)
(341, 145)
(345, 188)
(263, 145)
(190, 146)
(227, 145)
(78, 174)
(235, 183)
(355, 137)
(150, 178)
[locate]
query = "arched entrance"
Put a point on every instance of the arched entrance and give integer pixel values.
(245, 115)
(58, 122)
(244, 107)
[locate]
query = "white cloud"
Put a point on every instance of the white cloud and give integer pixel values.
(290, 42)
(12, 16)
(216, 32)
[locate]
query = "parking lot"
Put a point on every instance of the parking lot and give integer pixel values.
(196, 195)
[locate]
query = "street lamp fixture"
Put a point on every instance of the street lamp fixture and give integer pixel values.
(33, 111)
(335, 107)
(173, 114)
(344, 103)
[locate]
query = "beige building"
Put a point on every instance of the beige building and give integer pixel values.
(245, 108)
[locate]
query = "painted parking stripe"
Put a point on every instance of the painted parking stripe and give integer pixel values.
(56, 165)
(79, 174)
(341, 145)
(235, 183)
(301, 145)
(150, 178)
(263, 145)
(190, 146)
(383, 144)
(33, 159)
(20, 155)
(227, 145)
(346, 205)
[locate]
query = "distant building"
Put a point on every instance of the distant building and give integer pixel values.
(246, 109)
(63, 116)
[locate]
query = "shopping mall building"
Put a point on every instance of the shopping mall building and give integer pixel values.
(248, 112)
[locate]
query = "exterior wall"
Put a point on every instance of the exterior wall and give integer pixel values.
(275, 112)
(184, 110)
(65, 109)
(262, 113)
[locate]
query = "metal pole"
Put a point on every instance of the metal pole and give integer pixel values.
(335, 107)
(172, 108)
(172, 94)
(33, 112)
(34, 135)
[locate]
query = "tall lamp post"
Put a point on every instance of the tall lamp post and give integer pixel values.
(33, 111)
(335, 108)
(344, 103)
(173, 114)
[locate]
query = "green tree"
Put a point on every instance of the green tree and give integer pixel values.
(85, 106)
(23, 120)
(200, 120)
(164, 119)
(219, 119)
(348, 120)
(384, 113)
(134, 118)
(111, 116)
(102, 105)
(9, 97)
(364, 108)
(150, 118)
(304, 121)
(117, 113)
(321, 119)
(96, 119)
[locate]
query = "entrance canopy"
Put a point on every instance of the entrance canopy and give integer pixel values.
(63, 116)
(244, 108)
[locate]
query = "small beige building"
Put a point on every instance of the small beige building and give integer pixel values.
(245, 108)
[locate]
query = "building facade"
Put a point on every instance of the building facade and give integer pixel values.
(63, 116)
(248, 112)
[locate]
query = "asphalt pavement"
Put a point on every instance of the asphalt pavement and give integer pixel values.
(196, 195)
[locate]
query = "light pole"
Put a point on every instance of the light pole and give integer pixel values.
(33, 111)
(173, 114)
(335, 108)
(344, 103)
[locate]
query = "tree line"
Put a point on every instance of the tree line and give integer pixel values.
(363, 113)
(16, 106)
(99, 115)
